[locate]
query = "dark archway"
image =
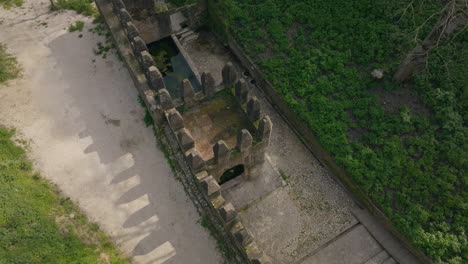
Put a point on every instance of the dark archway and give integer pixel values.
(231, 173)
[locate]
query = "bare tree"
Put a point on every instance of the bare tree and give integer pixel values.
(453, 20)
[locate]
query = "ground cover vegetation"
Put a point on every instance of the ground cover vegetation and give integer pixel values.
(37, 224)
(405, 144)
(9, 67)
(84, 7)
(10, 3)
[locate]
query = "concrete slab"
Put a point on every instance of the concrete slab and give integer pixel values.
(354, 247)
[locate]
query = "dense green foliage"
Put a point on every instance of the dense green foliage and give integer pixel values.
(37, 225)
(84, 7)
(405, 144)
(9, 68)
(77, 26)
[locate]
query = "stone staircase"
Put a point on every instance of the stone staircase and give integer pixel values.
(186, 35)
(382, 258)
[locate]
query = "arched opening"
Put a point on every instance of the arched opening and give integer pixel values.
(231, 173)
(253, 81)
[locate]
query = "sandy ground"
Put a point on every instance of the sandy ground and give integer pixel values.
(81, 117)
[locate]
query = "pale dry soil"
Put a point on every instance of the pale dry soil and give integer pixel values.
(80, 115)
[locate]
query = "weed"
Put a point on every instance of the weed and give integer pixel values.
(77, 26)
(84, 7)
(9, 68)
(283, 175)
(7, 4)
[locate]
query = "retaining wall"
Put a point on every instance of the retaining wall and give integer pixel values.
(202, 188)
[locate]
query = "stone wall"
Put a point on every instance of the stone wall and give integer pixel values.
(203, 189)
(158, 25)
(310, 141)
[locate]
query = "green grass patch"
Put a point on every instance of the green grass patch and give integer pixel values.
(84, 7)
(38, 224)
(77, 26)
(7, 4)
(408, 152)
(9, 68)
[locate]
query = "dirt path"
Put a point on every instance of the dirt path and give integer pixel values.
(81, 116)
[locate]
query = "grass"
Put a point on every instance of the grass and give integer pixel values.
(38, 224)
(10, 3)
(9, 68)
(84, 7)
(77, 26)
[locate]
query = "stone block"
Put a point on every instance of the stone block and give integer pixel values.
(174, 119)
(201, 175)
(228, 212)
(253, 109)
(146, 60)
(165, 99)
(185, 139)
(264, 128)
(132, 30)
(262, 260)
(155, 79)
(253, 252)
(124, 16)
(244, 140)
(241, 91)
(188, 93)
(196, 161)
(229, 74)
(240, 234)
(138, 45)
(208, 84)
(217, 201)
(210, 186)
(221, 151)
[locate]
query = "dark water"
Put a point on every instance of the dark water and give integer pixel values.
(172, 66)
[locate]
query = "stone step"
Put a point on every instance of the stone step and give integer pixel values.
(389, 261)
(379, 258)
(190, 38)
(183, 31)
(185, 34)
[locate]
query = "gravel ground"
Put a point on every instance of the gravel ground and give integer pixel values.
(80, 115)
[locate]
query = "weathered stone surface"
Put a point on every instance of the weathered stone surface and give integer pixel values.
(175, 120)
(165, 99)
(218, 201)
(117, 5)
(146, 59)
(210, 186)
(240, 234)
(229, 75)
(253, 252)
(138, 45)
(262, 260)
(196, 161)
(241, 91)
(188, 93)
(124, 16)
(221, 151)
(185, 139)
(155, 79)
(244, 140)
(264, 128)
(132, 30)
(208, 84)
(253, 109)
(228, 212)
(201, 175)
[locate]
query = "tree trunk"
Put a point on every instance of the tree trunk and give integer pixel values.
(451, 22)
